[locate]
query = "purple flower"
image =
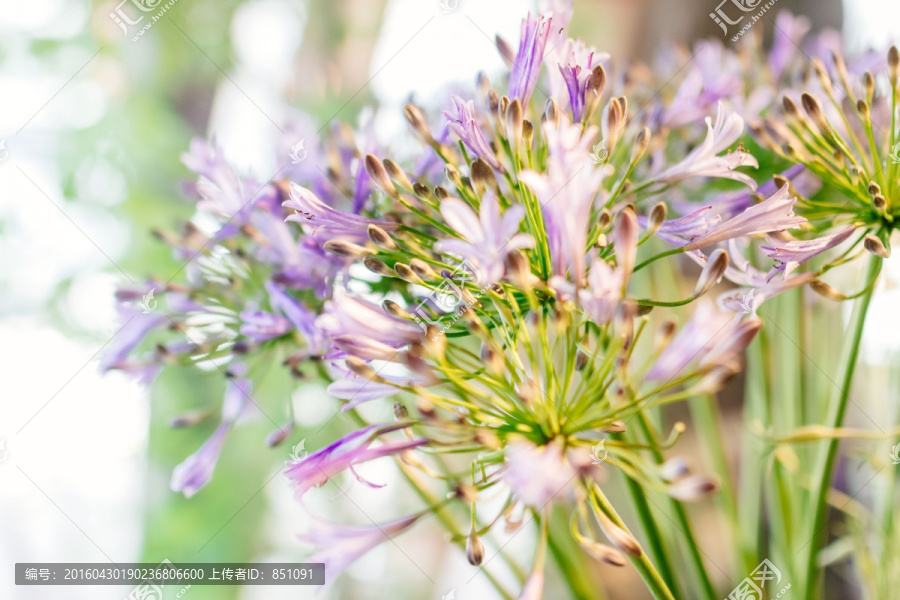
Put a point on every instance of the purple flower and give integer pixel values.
(488, 237)
(703, 160)
(324, 223)
(775, 213)
(790, 255)
(196, 470)
(137, 323)
(789, 31)
(527, 63)
(300, 317)
(320, 466)
(576, 71)
(338, 546)
(538, 474)
(710, 337)
(465, 126)
(360, 328)
(259, 325)
(566, 193)
(347, 385)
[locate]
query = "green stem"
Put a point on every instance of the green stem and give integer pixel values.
(648, 572)
(822, 480)
(570, 558)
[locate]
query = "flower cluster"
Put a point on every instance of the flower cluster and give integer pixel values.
(491, 283)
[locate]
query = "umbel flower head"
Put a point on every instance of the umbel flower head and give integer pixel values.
(492, 287)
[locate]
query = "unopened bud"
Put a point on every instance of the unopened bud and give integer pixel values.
(453, 175)
(379, 175)
(474, 549)
(422, 269)
(362, 368)
(826, 290)
(673, 469)
(514, 124)
(527, 134)
(551, 112)
(400, 412)
(614, 427)
(641, 142)
(277, 436)
(397, 174)
(482, 176)
(407, 274)
(790, 107)
(380, 237)
(417, 120)
(619, 538)
(656, 218)
(506, 52)
(422, 192)
(347, 249)
(880, 202)
(873, 244)
(893, 64)
(378, 267)
(602, 552)
(693, 487)
(712, 272)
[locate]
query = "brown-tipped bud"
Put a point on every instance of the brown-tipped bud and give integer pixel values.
(880, 202)
(656, 218)
(869, 83)
(664, 334)
(712, 272)
(826, 290)
(493, 104)
(551, 112)
(602, 552)
(822, 73)
(527, 134)
(441, 193)
(492, 358)
(873, 244)
(395, 310)
(375, 169)
(506, 52)
(397, 174)
(619, 538)
(380, 237)
(893, 64)
(423, 269)
(862, 107)
(400, 411)
(474, 549)
(278, 436)
(693, 487)
(189, 419)
(362, 368)
(417, 121)
(514, 115)
(581, 360)
(347, 249)
(604, 219)
(614, 427)
(501, 111)
(813, 108)
(520, 271)
(789, 106)
(615, 118)
(673, 469)
(422, 192)
(406, 273)
(874, 188)
(641, 142)
(453, 175)
(482, 176)
(378, 267)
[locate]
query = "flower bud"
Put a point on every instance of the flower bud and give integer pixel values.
(397, 174)
(395, 310)
(893, 64)
(417, 121)
(407, 274)
(712, 272)
(873, 244)
(656, 218)
(823, 289)
(380, 237)
(551, 112)
(423, 269)
(379, 175)
(619, 538)
(641, 142)
(673, 469)
(602, 552)
(482, 176)
(514, 125)
(378, 267)
(693, 487)
(360, 367)
(400, 412)
(347, 249)
(474, 549)
(614, 427)
(279, 435)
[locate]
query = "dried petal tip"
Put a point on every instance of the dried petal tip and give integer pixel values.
(474, 549)
(380, 237)
(873, 244)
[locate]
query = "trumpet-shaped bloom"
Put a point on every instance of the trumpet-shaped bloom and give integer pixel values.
(526, 66)
(704, 160)
(465, 125)
(318, 467)
(790, 255)
(488, 236)
(325, 223)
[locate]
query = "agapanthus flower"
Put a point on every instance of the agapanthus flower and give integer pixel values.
(353, 449)
(325, 223)
(538, 474)
(465, 125)
(704, 160)
(790, 255)
(487, 237)
(526, 65)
